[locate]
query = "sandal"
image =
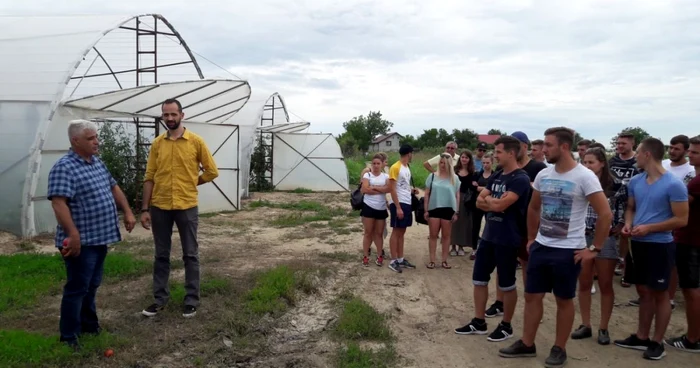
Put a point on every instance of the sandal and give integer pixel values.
(430, 265)
(445, 265)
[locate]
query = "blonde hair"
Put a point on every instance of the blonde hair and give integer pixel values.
(449, 166)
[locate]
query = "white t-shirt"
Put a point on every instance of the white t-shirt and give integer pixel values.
(376, 201)
(684, 172)
(402, 175)
(564, 206)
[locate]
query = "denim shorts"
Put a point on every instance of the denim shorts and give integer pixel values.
(610, 248)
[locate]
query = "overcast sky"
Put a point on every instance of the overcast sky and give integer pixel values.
(593, 65)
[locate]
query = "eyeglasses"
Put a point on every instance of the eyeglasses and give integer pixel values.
(451, 148)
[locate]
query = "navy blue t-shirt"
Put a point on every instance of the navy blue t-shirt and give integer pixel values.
(508, 227)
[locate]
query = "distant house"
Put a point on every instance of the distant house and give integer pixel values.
(386, 143)
(488, 138)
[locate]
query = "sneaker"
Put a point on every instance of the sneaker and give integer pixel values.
(473, 255)
(394, 266)
(152, 310)
(633, 342)
(624, 283)
(673, 305)
(655, 351)
(407, 264)
(380, 261)
(453, 253)
(620, 267)
(518, 350)
(557, 357)
(593, 290)
(461, 252)
(365, 261)
(603, 337)
(189, 311)
(682, 343)
(501, 333)
(496, 309)
(582, 332)
(634, 302)
(474, 327)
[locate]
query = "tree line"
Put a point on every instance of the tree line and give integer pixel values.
(361, 130)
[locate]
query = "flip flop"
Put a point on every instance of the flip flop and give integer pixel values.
(445, 265)
(430, 265)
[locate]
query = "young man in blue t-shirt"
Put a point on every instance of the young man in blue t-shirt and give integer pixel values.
(657, 205)
(505, 201)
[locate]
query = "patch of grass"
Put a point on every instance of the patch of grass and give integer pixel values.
(301, 191)
(214, 214)
(209, 285)
(340, 256)
(301, 216)
(27, 349)
(359, 321)
(28, 276)
(276, 289)
(354, 356)
(356, 164)
(26, 246)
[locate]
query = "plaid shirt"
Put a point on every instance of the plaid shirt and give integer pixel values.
(88, 187)
(618, 205)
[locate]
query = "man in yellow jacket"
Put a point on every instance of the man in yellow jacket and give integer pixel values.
(170, 196)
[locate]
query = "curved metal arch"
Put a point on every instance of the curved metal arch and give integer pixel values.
(32, 177)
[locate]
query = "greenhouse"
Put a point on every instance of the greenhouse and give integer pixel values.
(120, 69)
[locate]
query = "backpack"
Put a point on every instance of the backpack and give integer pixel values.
(357, 198)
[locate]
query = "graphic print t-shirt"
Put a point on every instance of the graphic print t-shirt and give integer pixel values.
(508, 227)
(683, 172)
(402, 175)
(564, 206)
(622, 170)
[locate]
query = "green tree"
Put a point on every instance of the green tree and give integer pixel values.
(465, 138)
(260, 165)
(120, 154)
(495, 132)
(638, 133)
(429, 138)
(348, 144)
(410, 140)
(364, 129)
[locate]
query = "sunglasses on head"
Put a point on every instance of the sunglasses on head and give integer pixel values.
(445, 156)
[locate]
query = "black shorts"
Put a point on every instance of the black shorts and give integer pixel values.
(688, 265)
(552, 270)
(503, 258)
(406, 221)
(650, 264)
(370, 212)
(443, 213)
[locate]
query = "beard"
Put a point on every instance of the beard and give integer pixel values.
(172, 124)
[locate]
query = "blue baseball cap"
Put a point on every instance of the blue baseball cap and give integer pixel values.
(522, 137)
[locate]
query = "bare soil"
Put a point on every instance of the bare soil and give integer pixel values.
(425, 305)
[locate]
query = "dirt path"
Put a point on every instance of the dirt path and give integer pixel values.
(425, 305)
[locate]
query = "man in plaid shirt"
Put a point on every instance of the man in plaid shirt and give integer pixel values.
(84, 197)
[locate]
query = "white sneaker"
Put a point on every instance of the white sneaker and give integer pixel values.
(593, 290)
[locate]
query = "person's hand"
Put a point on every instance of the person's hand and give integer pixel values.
(584, 255)
(615, 230)
(129, 221)
(146, 219)
(640, 230)
(399, 214)
(627, 230)
(475, 184)
(426, 215)
(416, 191)
(455, 217)
(71, 246)
(529, 244)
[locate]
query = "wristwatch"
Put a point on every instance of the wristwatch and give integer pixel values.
(593, 248)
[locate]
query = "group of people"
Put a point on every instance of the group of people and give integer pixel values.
(565, 221)
(85, 197)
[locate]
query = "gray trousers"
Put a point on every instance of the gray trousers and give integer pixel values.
(162, 226)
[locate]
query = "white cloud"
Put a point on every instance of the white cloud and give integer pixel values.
(597, 66)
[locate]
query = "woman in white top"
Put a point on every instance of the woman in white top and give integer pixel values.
(375, 185)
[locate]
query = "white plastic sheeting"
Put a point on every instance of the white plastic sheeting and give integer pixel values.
(45, 61)
(308, 160)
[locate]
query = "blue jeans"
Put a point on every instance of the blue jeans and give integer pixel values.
(78, 311)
